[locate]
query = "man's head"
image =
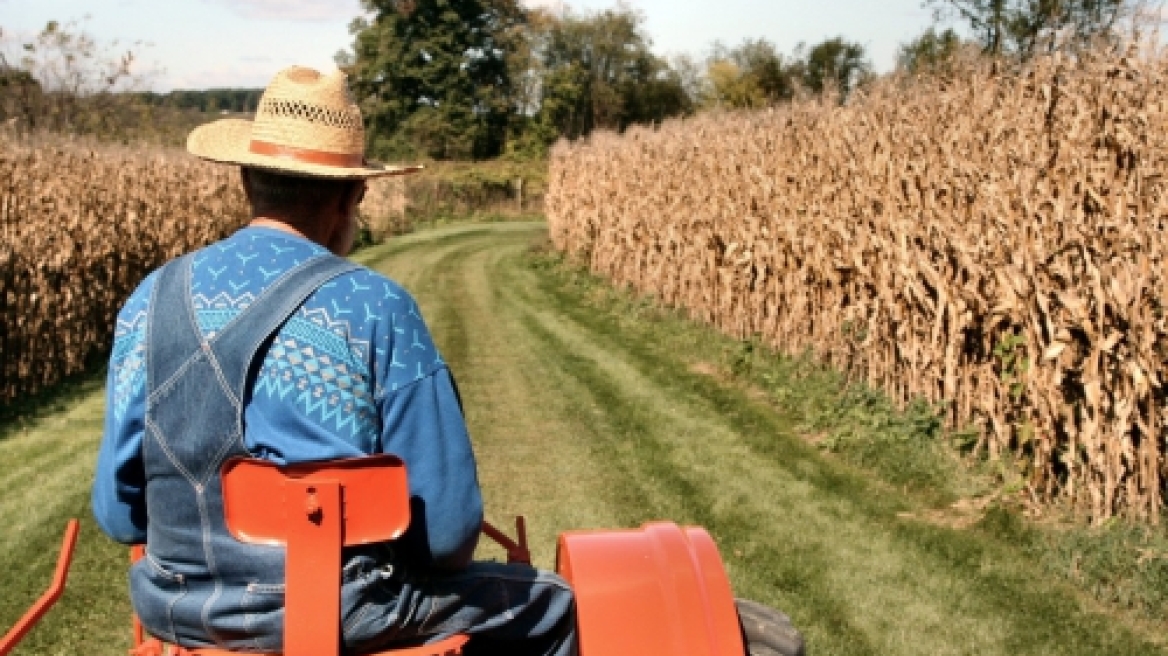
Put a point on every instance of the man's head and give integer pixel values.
(303, 154)
(322, 209)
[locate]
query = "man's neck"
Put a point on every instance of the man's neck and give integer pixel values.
(283, 226)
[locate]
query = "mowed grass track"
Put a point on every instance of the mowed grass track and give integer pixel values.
(585, 418)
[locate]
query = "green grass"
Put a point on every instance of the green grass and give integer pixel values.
(49, 460)
(592, 408)
(1120, 565)
(20, 414)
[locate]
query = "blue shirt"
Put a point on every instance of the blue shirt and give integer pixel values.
(353, 372)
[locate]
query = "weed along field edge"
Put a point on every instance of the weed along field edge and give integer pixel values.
(590, 408)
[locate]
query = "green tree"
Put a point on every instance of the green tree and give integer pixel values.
(759, 59)
(835, 63)
(732, 87)
(931, 51)
(599, 72)
(752, 74)
(1021, 28)
(432, 76)
(661, 94)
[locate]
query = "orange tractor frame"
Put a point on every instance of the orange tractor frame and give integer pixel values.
(660, 589)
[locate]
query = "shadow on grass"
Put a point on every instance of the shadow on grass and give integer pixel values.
(25, 412)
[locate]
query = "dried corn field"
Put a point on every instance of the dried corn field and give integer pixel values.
(992, 242)
(383, 211)
(80, 226)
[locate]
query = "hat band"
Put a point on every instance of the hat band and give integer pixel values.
(307, 155)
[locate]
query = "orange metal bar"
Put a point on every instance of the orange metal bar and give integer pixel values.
(312, 624)
(517, 552)
(50, 597)
(137, 552)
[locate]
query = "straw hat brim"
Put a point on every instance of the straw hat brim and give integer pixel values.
(227, 141)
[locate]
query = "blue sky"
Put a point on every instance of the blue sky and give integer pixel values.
(216, 43)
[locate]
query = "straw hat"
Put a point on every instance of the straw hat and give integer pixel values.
(306, 125)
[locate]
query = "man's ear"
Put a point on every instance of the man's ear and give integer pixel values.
(351, 199)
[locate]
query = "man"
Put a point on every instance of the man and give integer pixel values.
(268, 345)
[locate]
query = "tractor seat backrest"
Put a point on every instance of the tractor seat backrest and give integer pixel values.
(314, 510)
(264, 502)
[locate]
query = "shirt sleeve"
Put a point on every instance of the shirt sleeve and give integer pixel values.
(119, 485)
(424, 426)
(422, 423)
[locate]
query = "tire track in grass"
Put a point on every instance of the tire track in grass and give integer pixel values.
(656, 453)
(523, 467)
(643, 474)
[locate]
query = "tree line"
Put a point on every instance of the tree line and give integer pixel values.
(476, 79)
(63, 80)
(236, 101)
(1017, 30)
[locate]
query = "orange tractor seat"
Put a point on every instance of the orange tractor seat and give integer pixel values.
(660, 589)
(322, 508)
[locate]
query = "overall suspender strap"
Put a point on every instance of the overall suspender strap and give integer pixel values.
(172, 333)
(175, 338)
(235, 346)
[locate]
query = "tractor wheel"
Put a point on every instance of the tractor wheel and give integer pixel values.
(767, 632)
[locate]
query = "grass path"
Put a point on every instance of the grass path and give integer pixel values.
(583, 417)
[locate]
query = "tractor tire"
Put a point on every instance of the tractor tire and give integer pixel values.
(767, 632)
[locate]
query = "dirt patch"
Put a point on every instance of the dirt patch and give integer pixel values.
(753, 392)
(708, 369)
(960, 514)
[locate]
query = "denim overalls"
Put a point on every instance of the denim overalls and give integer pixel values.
(199, 587)
(197, 581)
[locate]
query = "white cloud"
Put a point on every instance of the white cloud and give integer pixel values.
(294, 10)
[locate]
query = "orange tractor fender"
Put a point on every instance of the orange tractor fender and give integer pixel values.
(660, 590)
